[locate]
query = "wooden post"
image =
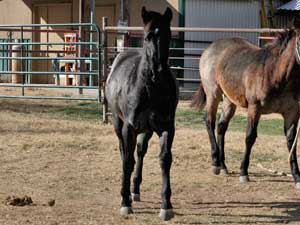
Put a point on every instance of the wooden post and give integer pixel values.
(16, 64)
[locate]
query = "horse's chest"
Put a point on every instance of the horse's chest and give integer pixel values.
(154, 115)
(152, 119)
(159, 120)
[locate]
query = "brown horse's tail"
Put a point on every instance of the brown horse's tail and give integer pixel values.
(199, 98)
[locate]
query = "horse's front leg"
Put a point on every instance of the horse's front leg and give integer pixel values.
(166, 139)
(127, 155)
(253, 118)
(290, 129)
(142, 146)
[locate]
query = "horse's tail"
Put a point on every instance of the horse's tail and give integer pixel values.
(199, 98)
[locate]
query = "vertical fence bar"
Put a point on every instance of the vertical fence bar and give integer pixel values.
(22, 61)
(104, 66)
(10, 51)
(91, 63)
(99, 64)
(81, 62)
(81, 47)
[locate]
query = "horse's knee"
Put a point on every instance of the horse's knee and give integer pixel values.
(290, 134)
(129, 163)
(141, 149)
(166, 140)
(222, 127)
(251, 136)
(166, 159)
(132, 163)
(210, 125)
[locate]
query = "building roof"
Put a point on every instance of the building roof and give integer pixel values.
(293, 5)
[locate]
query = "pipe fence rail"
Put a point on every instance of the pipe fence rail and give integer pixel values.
(67, 61)
(90, 59)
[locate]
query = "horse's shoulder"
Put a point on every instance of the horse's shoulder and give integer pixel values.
(127, 57)
(126, 61)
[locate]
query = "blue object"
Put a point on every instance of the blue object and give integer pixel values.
(292, 5)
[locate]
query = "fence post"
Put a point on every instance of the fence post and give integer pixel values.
(99, 72)
(92, 21)
(104, 66)
(79, 78)
(16, 64)
(22, 61)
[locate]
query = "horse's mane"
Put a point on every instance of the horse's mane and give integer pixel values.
(282, 39)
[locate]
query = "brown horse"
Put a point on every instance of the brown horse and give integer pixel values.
(263, 80)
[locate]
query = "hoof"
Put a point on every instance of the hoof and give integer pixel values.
(125, 211)
(166, 214)
(298, 186)
(244, 179)
(216, 170)
(224, 172)
(136, 197)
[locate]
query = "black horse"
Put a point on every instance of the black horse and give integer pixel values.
(142, 94)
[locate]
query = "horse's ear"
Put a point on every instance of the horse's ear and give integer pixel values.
(145, 15)
(168, 14)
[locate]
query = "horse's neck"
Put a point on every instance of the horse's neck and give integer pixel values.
(151, 62)
(284, 62)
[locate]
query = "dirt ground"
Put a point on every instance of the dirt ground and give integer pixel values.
(77, 164)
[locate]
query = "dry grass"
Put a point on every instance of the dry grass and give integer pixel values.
(75, 161)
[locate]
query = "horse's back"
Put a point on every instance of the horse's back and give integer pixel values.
(221, 49)
(222, 66)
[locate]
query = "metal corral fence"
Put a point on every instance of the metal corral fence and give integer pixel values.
(69, 64)
(82, 59)
(109, 52)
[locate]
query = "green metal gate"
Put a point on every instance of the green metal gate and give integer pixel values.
(5, 53)
(90, 53)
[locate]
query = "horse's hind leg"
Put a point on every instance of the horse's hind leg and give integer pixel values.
(226, 115)
(166, 140)
(211, 111)
(290, 127)
(142, 146)
(253, 118)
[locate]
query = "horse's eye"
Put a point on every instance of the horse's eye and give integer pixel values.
(156, 32)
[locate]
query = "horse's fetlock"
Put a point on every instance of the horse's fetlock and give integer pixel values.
(137, 180)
